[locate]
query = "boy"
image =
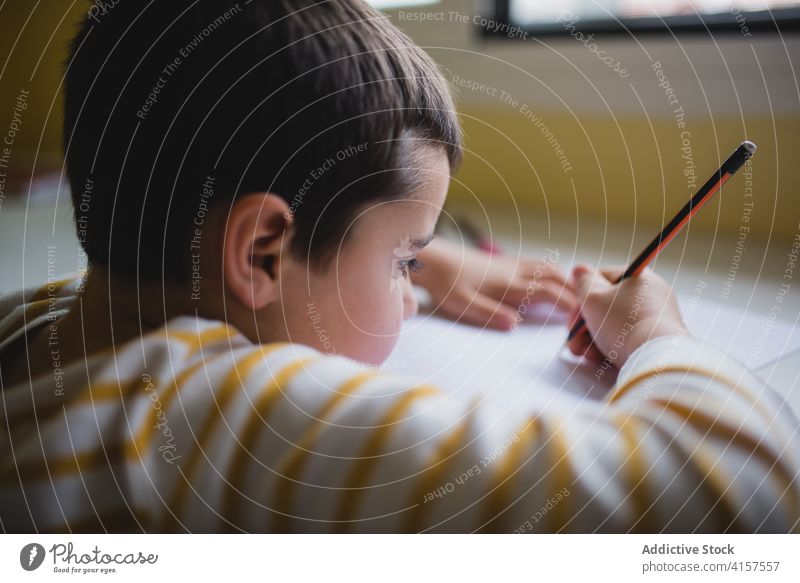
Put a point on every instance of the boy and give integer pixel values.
(253, 183)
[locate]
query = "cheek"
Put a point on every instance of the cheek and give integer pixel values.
(362, 311)
(373, 303)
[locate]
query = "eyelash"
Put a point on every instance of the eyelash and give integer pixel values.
(412, 265)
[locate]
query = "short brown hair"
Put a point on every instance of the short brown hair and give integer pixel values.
(174, 106)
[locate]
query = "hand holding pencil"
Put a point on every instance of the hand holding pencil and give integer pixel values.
(735, 161)
(621, 317)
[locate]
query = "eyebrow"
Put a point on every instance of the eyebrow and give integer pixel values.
(422, 242)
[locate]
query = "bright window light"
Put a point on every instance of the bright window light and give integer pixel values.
(533, 12)
(389, 4)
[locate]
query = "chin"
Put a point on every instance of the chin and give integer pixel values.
(373, 352)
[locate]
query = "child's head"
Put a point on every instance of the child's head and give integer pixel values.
(276, 162)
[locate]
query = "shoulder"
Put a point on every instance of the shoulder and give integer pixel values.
(28, 308)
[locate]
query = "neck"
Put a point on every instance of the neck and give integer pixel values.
(111, 310)
(114, 309)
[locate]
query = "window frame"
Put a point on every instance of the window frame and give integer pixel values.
(760, 21)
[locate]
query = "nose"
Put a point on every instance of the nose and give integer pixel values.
(410, 304)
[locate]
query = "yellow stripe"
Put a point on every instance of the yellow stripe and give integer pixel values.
(703, 463)
(297, 457)
(12, 328)
(359, 475)
(73, 463)
(114, 393)
(559, 516)
(707, 424)
(262, 408)
(755, 402)
(499, 497)
(143, 438)
(31, 312)
(618, 393)
(99, 394)
(140, 444)
(233, 382)
(231, 386)
(36, 309)
(434, 473)
(195, 341)
(44, 292)
(635, 470)
(102, 392)
(39, 305)
(40, 469)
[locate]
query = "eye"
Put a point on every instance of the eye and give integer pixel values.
(412, 265)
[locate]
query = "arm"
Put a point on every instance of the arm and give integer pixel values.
(320, 446)
(669, 451)
(689, 440)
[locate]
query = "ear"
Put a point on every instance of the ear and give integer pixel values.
(256, 231)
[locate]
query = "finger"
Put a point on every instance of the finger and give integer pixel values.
(558, 277)
(562, 298)
(565, 281)
(579, 270)
(587, 280)
(580, 343)
(514, 293)
(541, 292)
(574, 316)
(593, 354)
(531, 268)
(583, 345)
(483, 311)
(510, 294)
(613, 272)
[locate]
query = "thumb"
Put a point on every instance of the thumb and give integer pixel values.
(586, 279)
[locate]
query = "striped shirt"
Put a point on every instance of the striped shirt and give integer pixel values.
(193, 428)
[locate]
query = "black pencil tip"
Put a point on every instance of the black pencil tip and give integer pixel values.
(750, 147)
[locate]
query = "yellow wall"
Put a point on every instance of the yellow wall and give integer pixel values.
(620, 135)
(624, 166)
(630, 168)
(33, 47)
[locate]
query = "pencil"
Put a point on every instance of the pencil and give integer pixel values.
(744, 152)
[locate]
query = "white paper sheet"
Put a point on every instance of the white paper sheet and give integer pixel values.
(533, 358)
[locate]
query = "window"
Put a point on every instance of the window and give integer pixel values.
(660, 16)
(389, 4)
